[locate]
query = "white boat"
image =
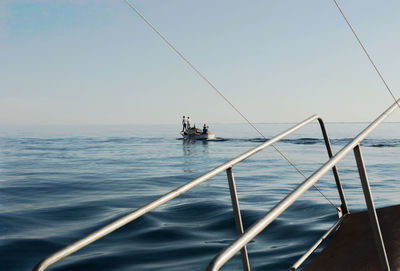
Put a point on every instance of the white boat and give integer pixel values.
(197, 134)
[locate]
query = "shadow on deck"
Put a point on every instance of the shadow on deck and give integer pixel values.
(353, 247)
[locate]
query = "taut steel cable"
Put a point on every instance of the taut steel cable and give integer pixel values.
(366, 52)
(220, 93)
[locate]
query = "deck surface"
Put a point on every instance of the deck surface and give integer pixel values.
(353, 248)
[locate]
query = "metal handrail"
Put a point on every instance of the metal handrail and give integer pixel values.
(317, 244)
(226, 254)
(72, 248)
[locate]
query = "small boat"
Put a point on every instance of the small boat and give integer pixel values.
(197, 134)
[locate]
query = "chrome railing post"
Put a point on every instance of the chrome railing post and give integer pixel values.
(238, 217)
(371, 209)
(343, 207)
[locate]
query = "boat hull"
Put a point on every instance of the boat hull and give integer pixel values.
(208, 136)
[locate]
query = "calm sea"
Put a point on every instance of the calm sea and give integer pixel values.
(59, 183)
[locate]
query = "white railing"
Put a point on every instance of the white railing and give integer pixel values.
(259, 226)
(246, 236)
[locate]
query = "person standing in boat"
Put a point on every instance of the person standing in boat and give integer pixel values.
(188, 123)
(183, 124)
(205, 129)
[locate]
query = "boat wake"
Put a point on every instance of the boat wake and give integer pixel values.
(374, 143)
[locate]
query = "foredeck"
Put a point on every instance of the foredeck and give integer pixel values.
(353, 247)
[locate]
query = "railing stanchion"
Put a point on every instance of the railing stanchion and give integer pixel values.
(371, 210)
(344, 208)
(226, 254)
(238, 217)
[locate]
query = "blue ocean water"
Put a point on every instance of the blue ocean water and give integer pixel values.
(60, 183)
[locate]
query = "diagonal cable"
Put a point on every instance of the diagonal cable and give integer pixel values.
(220, 93)
(366, 52)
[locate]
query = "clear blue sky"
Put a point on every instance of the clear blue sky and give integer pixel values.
(96, 62)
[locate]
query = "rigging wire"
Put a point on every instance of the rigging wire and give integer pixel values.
(366, 52)
(223, 96)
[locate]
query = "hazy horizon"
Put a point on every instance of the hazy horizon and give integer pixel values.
(96, 63)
